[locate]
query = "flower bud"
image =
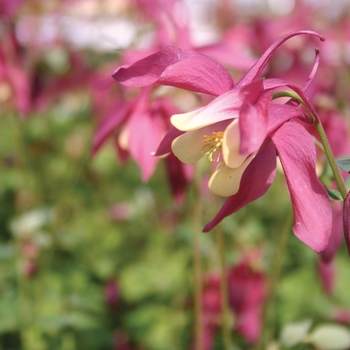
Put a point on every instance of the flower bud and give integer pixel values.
(111, 293)
(346, 220)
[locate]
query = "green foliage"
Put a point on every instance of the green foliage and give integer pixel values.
(57, 218)
(344, 164)
(60, 246)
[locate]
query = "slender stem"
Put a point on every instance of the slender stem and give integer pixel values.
(24, 302)
(272, 282)
(226, 313)
(331, 159)
(197, 265)
(323, 137)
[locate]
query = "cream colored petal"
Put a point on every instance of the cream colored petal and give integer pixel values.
(188, 147)
(225, 181)
(230, 146)
(224, 107)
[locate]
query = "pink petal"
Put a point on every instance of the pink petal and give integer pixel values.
(165, 145)
(277, 83)
(346, 221)
(179, 176)
(255, 182)
(279, 114)
(123, 155)
(313, 71)
(249, 323)
(311, 205)
(259, 66)
(115, 116)
(337, 233)
(177, 67)
(224, 107)
(253, 124)
(226, 53)
(145, 132)
(254, 120)
(336, 127)
(326, 271)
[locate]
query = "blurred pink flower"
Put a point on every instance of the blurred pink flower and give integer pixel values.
(121, 211)
(211, 301)
(30, 267)
(326, 272)
(337, 233)
(246, 291)
(336, 129)
(14, 80)
(27, 82)
(139, 124)
(121, 340)
(9, 8)
(342, 316)
(137, 127)
(111, 293)
(243, 131)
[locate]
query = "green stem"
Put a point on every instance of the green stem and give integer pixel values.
(272, 282)
(197, 265)
(331, 160)
(324, 140)
(24, 302)
(225, 309)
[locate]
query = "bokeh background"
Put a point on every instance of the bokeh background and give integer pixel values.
(95, 247)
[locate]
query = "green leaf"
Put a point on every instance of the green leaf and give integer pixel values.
(330, 337)
(344, 164)
(295, 332)
(334, 194)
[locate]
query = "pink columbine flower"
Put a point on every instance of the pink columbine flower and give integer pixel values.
(14, 80)
(243, 131)
(246, 293)
(247, 290)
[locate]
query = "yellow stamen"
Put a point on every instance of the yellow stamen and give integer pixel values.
(212, 144)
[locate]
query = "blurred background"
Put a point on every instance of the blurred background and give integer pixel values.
(96, 235)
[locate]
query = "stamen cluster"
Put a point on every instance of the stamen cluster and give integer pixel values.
(212, 143)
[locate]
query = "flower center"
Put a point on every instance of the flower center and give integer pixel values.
(212, 144)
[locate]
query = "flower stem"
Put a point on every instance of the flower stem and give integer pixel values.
(331, 160)
(197, 265)
(323, 137)
(272, 282)
(25, 314)
(226, 313)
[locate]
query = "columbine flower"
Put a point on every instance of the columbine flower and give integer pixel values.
(14, 80)
(246, 293)
(247, 290)
(214, 131)
(243, 131)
